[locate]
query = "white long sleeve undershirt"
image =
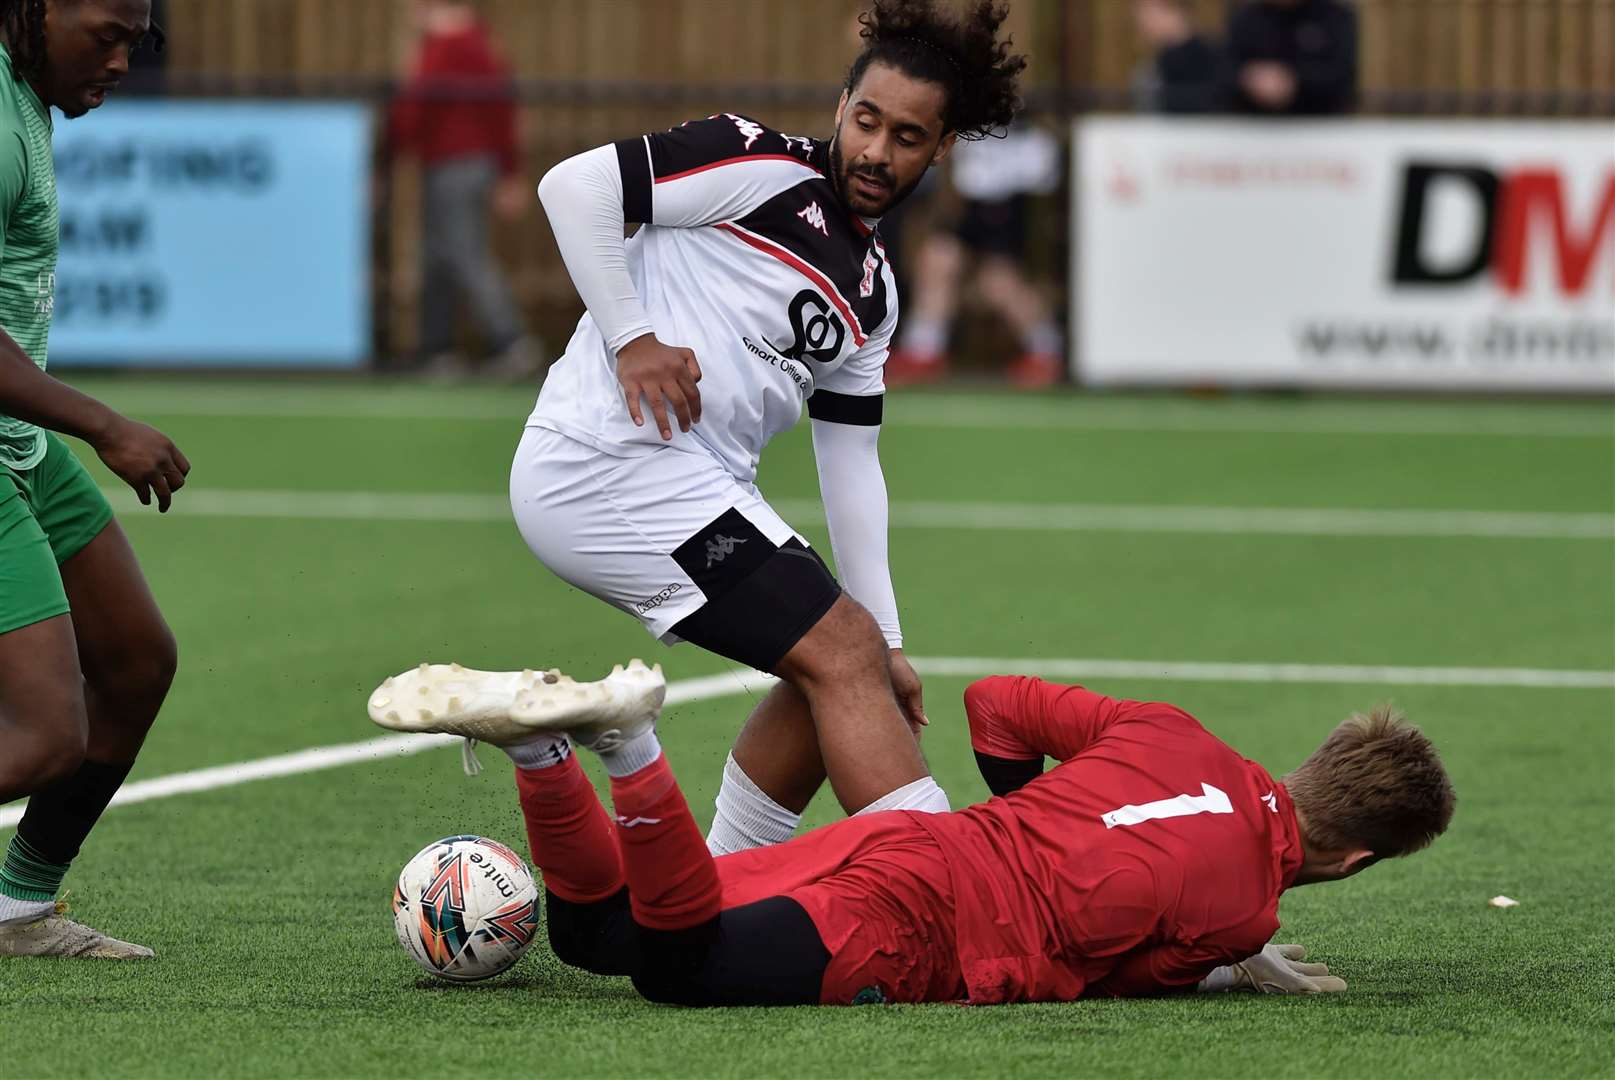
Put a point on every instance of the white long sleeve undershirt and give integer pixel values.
(583, 198)
(853, 489)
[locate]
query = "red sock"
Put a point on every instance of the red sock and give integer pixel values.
(672, 882)
(569, 833)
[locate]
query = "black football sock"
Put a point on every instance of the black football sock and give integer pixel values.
(60, 817)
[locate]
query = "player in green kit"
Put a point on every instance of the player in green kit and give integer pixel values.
(85, 656)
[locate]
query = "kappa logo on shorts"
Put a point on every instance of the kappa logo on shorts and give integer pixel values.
(720, 548)
(723, 552)
(654, 602)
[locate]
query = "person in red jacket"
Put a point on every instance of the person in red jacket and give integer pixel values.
(1149, 861)
(457, 114)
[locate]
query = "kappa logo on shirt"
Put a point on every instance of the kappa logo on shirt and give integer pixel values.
(752, 131)
(720, 548)
(866, 287)
(1272, 801)
(814, 217)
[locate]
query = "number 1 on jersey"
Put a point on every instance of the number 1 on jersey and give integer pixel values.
(1210, 801)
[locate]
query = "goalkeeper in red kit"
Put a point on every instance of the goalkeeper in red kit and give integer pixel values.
(1149, 861)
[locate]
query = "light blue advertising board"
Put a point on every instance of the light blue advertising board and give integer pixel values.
(212, 234)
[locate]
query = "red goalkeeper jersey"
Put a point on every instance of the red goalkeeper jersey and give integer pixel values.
(1152, 854)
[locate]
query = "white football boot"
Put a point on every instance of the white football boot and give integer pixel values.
(599, 715)
(55, 935)
(449, 699)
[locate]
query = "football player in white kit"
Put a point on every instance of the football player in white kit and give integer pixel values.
(757, 285)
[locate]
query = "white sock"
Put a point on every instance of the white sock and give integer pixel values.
(747, 818)
(642, 750)
(540, 752)
(925, 337)
(924, 795)
(14, 910)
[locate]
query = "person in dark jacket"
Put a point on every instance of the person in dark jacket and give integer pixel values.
(1292, 58)
(1185, 74)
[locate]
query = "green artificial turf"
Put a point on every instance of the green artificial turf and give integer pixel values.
(268, 902)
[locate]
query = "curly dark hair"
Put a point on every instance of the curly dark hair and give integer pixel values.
(961, 53)
(22, 22)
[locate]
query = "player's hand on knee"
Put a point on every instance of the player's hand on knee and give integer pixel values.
(1277, 969)
(665, 377)
(145, 459)
(910, 693)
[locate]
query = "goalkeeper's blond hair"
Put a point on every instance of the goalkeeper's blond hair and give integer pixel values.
(1375, 783)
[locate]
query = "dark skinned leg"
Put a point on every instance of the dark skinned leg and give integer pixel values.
(126, 649)
(127, 656)
(842, 669)
(778, 748)
(43, 725)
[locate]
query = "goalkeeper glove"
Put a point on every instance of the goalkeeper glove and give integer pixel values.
(1277, 969)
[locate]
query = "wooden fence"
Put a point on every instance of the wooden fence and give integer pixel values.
(1474, 47)
(594, 70)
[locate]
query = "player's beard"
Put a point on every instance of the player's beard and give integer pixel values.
(839, 180)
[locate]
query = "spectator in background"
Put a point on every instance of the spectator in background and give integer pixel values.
(995, 178)
(457, 114)
(1185, 73)
(1293, 57)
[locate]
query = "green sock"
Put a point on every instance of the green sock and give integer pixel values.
(26, 875)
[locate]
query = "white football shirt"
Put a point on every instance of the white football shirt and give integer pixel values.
(747, 258)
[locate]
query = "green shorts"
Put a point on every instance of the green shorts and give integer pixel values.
(48, 514)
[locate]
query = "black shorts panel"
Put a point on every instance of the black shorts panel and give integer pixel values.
(765, 953)
(761, 597)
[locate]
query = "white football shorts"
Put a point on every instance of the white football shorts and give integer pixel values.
(672, 538)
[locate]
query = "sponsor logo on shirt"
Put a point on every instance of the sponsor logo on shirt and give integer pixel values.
(45, 295)
(819, 331)
(802, 384)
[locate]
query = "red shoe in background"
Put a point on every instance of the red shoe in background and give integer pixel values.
(1033, 370)
(904, 368)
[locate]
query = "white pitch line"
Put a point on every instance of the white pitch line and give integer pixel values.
(918, 411)
(1347, 674)
(1071, 517)
(385, 748)
(752, 682)
(1023, 517)
(953, 413)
